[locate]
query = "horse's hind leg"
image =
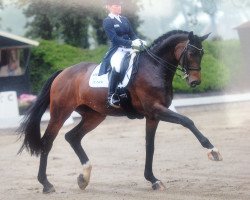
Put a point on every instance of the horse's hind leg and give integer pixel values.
(47, 142)
(91, 120)
(55, 123)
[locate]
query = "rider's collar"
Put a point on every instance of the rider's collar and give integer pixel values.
(112, 16)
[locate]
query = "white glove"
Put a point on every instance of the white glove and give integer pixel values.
(136, 43)
(144, 42)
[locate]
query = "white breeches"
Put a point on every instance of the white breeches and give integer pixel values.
(117, 58)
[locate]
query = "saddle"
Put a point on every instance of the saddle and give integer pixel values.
(129, 68)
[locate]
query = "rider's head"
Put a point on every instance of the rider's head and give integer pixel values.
(114, 6)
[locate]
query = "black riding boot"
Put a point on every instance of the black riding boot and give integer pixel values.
(113, 98)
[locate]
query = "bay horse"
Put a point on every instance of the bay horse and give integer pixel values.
(151, 94)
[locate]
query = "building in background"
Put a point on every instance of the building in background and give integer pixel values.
(14, 63)
(244, 33)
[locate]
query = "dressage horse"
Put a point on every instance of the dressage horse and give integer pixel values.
(151, 94)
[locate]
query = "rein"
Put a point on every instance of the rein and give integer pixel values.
(184, 67)
(162, 61)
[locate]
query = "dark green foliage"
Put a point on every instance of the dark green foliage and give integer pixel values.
(51, 56)
(220, 62)
(69, 21)
(215, 76)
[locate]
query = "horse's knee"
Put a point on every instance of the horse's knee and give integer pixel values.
(186, 122)
(75, 135)
(73, 138)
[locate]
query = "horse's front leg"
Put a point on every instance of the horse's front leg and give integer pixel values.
(151, 126)
(164, 114)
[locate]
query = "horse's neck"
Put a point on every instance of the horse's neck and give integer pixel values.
(167, 61)
(166, 49)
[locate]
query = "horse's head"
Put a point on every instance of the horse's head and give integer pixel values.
(190, 58)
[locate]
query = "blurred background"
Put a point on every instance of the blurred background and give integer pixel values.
(69, 32)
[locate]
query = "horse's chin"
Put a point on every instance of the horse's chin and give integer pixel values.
(193, 84)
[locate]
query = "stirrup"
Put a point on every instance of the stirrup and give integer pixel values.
(114, 101)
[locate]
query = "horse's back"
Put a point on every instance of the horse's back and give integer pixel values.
(80, 71)
(83, 69)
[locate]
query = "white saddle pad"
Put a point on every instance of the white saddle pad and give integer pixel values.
(96, 81)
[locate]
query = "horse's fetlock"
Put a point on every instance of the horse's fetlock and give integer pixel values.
(148, 176)
(206, 143)
(41, 179)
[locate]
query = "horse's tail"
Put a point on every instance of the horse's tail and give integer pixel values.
(30, 126)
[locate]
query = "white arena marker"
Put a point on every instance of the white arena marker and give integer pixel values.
(9, 112)
(8, 105)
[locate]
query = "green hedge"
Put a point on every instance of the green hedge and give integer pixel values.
(214, 76)
(219, 63)
(50, 56)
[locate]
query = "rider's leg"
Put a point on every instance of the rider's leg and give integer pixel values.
(113, 98)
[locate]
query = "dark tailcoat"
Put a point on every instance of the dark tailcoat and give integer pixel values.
(120, 35)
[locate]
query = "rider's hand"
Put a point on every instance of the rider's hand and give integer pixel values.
(136, 44)
(144, 42)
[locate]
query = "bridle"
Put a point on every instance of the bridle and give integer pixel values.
(183, 60)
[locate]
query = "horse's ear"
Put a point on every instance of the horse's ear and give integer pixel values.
(190, 35)
(204, 37)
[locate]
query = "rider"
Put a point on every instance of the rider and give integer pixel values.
(123, 39)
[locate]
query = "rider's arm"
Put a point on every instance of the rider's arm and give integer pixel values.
(112, 35)
(132, 34)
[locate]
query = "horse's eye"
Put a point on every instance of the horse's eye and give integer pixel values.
(193, 54)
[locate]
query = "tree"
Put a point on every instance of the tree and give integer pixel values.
(191, 9)
(130, 9)
(69, 21)
(210, 7)
(44, 23)
(1, 7)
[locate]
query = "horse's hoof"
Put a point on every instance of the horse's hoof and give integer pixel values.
(158, 185)
(82, 183)
(214, 155)
(48, 189)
